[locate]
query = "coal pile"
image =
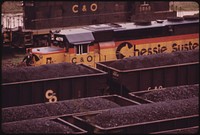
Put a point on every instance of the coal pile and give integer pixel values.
(146, 113)
(44, 72)
(54, 109)
(154, 60)
(36, 126)
(172, 93)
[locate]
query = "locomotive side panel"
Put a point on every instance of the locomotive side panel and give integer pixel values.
(158, 45)
(63, 14)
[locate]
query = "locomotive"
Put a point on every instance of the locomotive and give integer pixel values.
(104, 42)
(42, 16)
(50, 14)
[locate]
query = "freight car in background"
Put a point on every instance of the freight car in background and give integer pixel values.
(25, 38)
(104, 42)
(17, 37)
(55, 14)
(42, 16)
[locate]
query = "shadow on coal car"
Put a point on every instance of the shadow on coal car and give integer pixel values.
(50, 83)
(151, 72)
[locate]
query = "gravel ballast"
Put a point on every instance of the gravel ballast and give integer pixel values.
(172, 93)
(145, 113)
(154, 60)
(54, 109)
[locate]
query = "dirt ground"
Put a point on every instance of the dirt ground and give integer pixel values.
(12, 59)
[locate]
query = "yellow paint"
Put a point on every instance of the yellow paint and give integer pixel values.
(55, 58)
(164, 47)
(109, 53)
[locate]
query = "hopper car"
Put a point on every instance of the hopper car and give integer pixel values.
(105, 80)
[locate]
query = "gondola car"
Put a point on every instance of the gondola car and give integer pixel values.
(104, 42)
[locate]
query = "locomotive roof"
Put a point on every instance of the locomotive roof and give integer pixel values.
(122, 26)
(78, 35)
(132, 25)
(90, 33)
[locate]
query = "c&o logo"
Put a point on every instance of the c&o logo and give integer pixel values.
(51, 96)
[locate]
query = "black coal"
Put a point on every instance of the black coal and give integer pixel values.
(173, 93)
(154, 60)
(145, 113)
(44, 72)
(54, 109)
(36, 126)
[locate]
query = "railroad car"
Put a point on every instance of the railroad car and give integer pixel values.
(25, 38)
(42, 16)
(31, 86)
(17, 37)
(97, 43)
(50, 14)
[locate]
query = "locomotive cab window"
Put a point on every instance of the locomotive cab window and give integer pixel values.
(81, 49)
(59, 40)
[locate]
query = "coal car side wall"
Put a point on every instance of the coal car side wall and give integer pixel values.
(51, 90)
(124, 81)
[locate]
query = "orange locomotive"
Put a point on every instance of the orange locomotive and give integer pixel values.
(105, 42)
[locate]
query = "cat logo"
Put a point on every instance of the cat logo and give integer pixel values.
(124, 50)
(50, 95)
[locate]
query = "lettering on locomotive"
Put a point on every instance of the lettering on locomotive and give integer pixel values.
(147, 51)
(81, 59)
(126, 49)
(184, 47)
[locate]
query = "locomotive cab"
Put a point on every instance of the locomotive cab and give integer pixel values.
(79, 46)
(72, 45)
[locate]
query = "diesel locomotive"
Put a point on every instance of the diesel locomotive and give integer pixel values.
(42, 16)
(104, 42)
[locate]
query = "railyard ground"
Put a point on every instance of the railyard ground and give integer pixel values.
(12, 58)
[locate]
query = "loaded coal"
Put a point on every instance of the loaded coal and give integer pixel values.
(44, 72)
(36, 126)
(54, 109)
(145, 113)
(154, 60)
(172, 93)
